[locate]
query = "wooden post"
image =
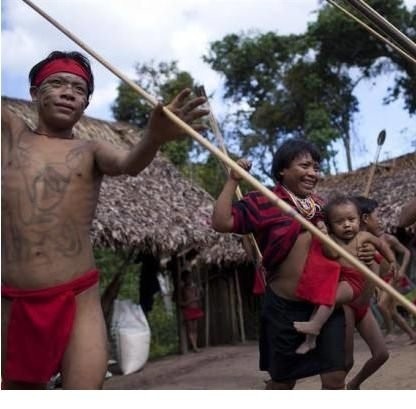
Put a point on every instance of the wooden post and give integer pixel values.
(183, 341)
(233, 312)
(206, 291)
(240, 307)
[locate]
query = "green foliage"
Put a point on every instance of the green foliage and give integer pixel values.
(109, 263)
(303, 85)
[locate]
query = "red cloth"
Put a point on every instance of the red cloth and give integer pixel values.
(259, 286)
(319, 280)
(190, 314)
(354, 278)
(359, 311)
(39, 327)
(275, 231)
(61, 65)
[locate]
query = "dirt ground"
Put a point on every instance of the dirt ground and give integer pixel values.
(236, 367)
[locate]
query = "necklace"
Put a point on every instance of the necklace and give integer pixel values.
(307, 206)
(50, 136)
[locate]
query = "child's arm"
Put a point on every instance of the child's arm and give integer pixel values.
(383, 248)
(399, 248)
(222, 218)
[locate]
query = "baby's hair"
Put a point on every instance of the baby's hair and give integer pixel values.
(338, 201)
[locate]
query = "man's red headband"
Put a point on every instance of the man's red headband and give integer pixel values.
(61, 65)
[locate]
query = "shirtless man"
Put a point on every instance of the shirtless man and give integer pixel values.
(51, 183)
(284, 246)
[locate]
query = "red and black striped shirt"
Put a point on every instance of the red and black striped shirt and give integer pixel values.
(274, 230)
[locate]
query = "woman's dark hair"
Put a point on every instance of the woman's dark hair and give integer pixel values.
(290, 150)
(72, 55)
(337, 201)
(366, 205)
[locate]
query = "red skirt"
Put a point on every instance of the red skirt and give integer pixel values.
(40, 324)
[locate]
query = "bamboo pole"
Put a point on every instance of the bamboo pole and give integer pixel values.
(241, 172)
(405, 42)
(374, 32)
(183, 339)
(380, 141)
(239, 307)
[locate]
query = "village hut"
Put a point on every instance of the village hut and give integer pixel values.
(393, 185)
(162, 219)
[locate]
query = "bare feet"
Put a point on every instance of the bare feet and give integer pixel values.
(307, 327)
(307, 345)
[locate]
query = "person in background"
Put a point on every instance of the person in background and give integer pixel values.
(190, 303)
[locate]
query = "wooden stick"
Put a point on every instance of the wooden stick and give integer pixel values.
(239, 306)
(380, 140)
(392, 31)
(207, 312)
(220, 139)
(374, 32)
(245, 175)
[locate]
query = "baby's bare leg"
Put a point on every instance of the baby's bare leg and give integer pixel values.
(312, 328)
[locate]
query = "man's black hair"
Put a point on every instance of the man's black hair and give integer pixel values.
(290, 150)
(337, 201)
(366, 205)
(72, 55)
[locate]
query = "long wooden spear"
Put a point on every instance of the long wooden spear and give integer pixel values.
(239, 170)
(393, 32)
(374, 32)
(380, 140)
(221, 143)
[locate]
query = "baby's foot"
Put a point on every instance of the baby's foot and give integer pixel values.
(307, 327)
(307, 345)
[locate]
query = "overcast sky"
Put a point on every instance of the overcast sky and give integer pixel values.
(125, 32)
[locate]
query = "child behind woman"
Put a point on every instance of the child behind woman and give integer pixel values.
(342, 221)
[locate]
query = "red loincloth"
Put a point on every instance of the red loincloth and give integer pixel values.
(319, 280)
(39, 328)
(359, 311)
(190, 314)
(354, 278)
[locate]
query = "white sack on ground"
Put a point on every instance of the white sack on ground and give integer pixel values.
(132, 335)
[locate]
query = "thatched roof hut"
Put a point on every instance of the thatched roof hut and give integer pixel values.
(394, 185)
(160, 211)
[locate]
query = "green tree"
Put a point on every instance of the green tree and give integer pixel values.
(304, 85)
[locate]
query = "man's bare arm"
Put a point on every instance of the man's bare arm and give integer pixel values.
(160, 130)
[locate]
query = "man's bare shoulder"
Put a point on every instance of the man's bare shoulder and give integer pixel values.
(10, 121)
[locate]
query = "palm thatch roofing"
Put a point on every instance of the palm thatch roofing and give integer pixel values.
(394, 184)
(159, 211)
